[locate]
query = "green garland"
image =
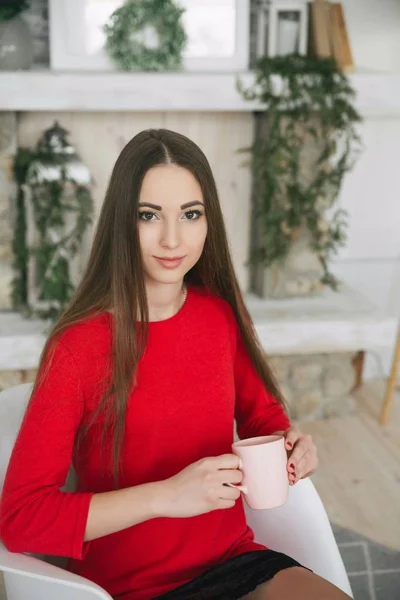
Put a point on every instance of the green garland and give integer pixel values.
(51, 206)
(314, 105)
(161, 19)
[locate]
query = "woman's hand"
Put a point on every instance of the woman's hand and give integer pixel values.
(302, 453)
(200, 487)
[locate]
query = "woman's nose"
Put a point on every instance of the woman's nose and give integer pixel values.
(170, 237)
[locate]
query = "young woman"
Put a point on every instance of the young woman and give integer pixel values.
(139, 385)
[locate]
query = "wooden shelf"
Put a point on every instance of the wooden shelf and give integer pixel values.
(378, 94)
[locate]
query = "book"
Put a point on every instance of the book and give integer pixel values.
(320, 35)
(340, 43)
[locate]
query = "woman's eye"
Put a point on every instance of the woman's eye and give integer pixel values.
(193, 215)
(190, 215)
(146, 216)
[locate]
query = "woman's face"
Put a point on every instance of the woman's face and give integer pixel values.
(172, 223)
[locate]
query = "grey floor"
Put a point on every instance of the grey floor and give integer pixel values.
(374, 570)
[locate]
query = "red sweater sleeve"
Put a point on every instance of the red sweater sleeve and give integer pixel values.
(35, 516)
(257, 411)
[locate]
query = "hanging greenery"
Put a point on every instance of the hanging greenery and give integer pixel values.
(12, 8)
(146, 35)
(306, 142)
(19, 292)
(54, 209)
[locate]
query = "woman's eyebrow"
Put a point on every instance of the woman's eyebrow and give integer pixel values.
(156, 207)
(193, 203)
(148, 205)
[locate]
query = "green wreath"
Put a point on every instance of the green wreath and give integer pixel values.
(146, 35)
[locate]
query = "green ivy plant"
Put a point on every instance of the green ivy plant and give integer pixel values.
(306, 106)
(19, 293)
(11, 8)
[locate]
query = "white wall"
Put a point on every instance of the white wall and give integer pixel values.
(374, 31)
(370, 261)
(371, 193)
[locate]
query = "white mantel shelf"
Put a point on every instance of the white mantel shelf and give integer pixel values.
(333, 322)
(120, 92)
(378, 95)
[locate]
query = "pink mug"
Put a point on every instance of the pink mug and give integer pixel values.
(263, 461)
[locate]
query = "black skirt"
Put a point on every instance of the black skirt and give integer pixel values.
(234, 578)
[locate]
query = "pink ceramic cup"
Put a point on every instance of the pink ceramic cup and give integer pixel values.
(263, 461)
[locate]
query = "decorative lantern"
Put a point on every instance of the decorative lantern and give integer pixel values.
(59, 208)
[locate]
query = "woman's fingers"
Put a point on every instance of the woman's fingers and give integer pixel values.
(303, 445)
(302, 455)
(292, 435)
(304, 467)
(224, 461)
(301, 448)
(230, 476)
(229, 493)
(224, 504)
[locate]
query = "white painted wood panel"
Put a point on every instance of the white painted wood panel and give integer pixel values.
(371, 194)
(99, 137)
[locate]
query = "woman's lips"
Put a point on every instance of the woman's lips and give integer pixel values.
(170, 263)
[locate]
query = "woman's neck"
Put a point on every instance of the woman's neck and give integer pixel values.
(164, 300)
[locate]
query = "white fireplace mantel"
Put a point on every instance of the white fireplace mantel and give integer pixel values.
(331, 323)
(378, 94)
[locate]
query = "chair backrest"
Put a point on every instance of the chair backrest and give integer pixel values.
(13, 402)
(26, 578)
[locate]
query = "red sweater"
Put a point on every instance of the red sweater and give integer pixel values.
(194, 378)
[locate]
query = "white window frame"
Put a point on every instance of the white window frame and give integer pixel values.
(67, 50)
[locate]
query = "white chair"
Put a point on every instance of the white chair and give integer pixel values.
(300, 529)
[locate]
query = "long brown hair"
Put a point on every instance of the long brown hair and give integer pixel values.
(114, 276)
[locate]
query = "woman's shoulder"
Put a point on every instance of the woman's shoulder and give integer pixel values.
(86, 337)
(213, 305)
